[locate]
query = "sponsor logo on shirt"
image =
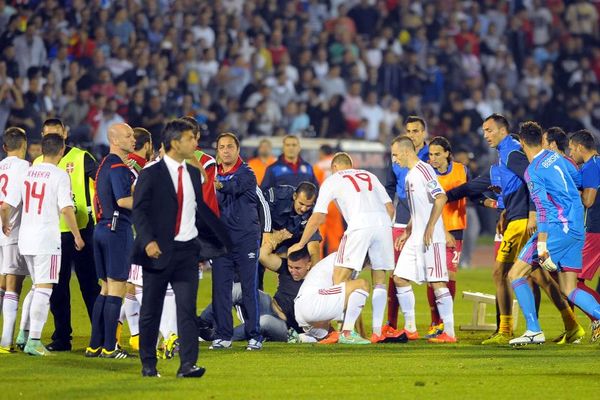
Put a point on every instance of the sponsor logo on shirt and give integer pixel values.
(251, 255)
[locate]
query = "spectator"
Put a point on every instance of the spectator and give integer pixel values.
(264, 158)
(108, 118)
(373, 113)
(31, 50)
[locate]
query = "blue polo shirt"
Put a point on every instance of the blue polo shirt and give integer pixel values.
(282, 172)
(113, 182)
(590, 179)
(394, 185)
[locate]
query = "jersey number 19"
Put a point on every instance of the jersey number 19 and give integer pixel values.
(360, 176)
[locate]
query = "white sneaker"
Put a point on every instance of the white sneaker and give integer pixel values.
(528, 337)
(220, 344)
(255, 344)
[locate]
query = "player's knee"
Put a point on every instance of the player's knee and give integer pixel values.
(362, 284)
(499, 273)
(399, 282)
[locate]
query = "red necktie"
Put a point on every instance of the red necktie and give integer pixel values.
(179, 199)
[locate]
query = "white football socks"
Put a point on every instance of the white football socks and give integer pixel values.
(356, 302)
(40, 305)
(9, 313)
(444, 302)
(378, 302)
(406, 299)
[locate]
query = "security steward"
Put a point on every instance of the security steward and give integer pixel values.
(290, 208)
(81, 167)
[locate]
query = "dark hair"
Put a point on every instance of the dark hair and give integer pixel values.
(500, 120)
(558, 136)
(13, 138)
(194, 123)
(229, 135)
(299, 254)
(404, 141)
(531, 133)
(413, 118)
(584, 138)
(308, 188)
(326, 149)
(294, 137)
(52, 144)
(174, 130)
(142, 136)
(53, 122)
(444, 144)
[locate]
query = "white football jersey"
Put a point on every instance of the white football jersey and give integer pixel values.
(360, 197)
(12, 173)
(320, 275)
(422, 187)
(46, 190)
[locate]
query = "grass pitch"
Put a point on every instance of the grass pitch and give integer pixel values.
(466, 370)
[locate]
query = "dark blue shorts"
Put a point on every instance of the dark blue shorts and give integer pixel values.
(112, 251)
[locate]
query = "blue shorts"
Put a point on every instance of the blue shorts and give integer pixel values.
(565, 250)
(112, 251)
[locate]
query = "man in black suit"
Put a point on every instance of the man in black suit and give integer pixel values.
(175, 229)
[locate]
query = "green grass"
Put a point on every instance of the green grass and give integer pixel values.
(418, 369)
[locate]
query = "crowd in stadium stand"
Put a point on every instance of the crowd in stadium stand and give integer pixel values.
(338, 68)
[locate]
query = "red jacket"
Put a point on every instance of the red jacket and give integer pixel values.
(208, 188)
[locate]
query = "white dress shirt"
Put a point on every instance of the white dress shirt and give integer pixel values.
(187, 228)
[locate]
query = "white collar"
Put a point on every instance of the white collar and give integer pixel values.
(172, 163)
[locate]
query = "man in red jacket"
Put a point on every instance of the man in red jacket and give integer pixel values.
(208, 167)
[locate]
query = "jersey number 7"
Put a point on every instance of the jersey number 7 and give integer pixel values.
(31, 192)
(360, 176)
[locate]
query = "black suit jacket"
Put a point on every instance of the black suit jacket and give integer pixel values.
(155, 212)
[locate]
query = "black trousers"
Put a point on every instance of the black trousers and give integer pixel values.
(83, 263)
(182, 273)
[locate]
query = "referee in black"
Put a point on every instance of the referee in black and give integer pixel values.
(81, 167)
(113, 241)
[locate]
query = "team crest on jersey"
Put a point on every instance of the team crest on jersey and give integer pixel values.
(432, 185)
(303, 169)
(70, 167)
(251, 255)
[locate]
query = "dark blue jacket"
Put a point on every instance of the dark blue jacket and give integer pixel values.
(238, 203)
(283, 215)
(509, 174)
(394, 185)
(284, 173)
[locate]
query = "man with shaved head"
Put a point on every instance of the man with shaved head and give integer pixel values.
(81, 168)
(113, 241)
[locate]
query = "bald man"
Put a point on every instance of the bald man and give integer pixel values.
(113, 241)
(81, 168)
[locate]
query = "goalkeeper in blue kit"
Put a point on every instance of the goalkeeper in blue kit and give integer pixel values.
(558, 243)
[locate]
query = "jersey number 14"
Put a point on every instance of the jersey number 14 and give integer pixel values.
(31, 192)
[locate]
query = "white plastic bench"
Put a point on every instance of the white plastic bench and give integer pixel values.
(480, 302)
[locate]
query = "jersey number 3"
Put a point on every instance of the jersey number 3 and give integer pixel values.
(31, 192)
(360, 176)
(3, 184)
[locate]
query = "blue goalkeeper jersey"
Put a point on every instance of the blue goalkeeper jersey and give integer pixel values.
(554, 192)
